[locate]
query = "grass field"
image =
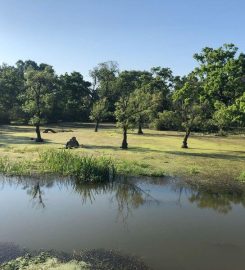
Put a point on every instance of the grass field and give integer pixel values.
(209, 158)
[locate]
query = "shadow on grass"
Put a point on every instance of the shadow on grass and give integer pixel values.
(208, 149)
(117, 148)
(208, 155)
(10, 129)
(158, 135)
(6, 139)
(82, 125)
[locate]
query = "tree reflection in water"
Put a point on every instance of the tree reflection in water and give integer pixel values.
(124, 192)
(128, 194)
(218, 201)
(36, 195)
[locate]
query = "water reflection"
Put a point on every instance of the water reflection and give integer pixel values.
(125, 193)
(218, 201)
(164, 219)
(129, 194)
(36, 193)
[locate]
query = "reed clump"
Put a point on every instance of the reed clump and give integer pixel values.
(85, 168)
(16, 168)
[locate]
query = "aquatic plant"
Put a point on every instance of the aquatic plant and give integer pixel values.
(85, 168)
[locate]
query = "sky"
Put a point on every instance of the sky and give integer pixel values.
(76, 35)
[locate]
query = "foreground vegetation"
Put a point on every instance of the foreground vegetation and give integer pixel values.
(43, 261)
(211, 158)
(13, 257)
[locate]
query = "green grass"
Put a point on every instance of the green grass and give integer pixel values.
(10, 167)
(241, 177)
(209, 158)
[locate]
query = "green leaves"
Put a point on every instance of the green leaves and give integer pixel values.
(100, 110)
(39, 95)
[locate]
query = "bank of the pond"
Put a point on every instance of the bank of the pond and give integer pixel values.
(89, 168)
(13, 257)
(99, 169)
(45, 262)
(86, 168)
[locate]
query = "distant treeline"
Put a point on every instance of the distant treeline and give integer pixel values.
(210, 98)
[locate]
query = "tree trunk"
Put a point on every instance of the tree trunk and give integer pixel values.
(39, 138)
(140, 132)
(96, 126)
(187, 134)
(124, 142)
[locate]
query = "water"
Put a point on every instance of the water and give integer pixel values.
(167, 225)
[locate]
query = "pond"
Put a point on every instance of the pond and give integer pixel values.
(165, 223)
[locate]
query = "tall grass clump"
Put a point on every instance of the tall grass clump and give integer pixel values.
(84, 168)
(11, 167)
(241, 177)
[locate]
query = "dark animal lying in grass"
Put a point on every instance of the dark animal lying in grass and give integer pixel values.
(47, 130)
(72, 143)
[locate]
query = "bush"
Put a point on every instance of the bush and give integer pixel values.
(167, 120)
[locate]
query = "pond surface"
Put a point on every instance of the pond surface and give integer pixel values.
(166, 224)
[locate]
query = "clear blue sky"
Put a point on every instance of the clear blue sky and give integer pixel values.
(138, 34)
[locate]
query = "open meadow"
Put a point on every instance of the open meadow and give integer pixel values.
(209, 158)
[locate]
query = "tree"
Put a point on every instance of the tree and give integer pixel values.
(145, 105)
(223, 116)
(75, 97)
(38, 97)
(128, 108)
(99, 112)
(221, 73)
(11, 85)
(104, 76)
(238, 109)
(188, 105)
(162, 82)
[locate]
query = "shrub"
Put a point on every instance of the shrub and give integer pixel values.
(167, 120)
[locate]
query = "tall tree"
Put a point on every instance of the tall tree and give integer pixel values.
(104, 76)
(11, 85)
(145, 104)
(189, 106)
(75, 97)
(163, 82)
(221, 72)
(128, 108)
(99, 112)
(38, 97)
